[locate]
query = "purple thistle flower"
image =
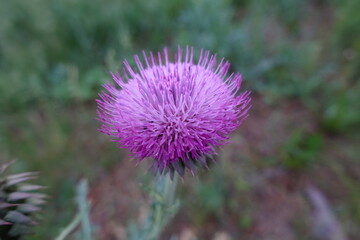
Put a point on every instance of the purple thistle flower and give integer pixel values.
(176, 113)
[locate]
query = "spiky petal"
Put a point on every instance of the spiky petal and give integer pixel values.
(176, 112)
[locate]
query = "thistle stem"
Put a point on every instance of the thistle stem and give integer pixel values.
(162, 208)
(70, 228)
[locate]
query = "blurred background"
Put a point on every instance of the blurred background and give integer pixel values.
(292, 171)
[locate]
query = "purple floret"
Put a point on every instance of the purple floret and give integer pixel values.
(175, 112)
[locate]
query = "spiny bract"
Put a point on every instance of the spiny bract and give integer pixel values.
(18, 203)
(175, 112)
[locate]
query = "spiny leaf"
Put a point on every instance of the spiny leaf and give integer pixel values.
(6, 205)
(30, 187)
(36, 201)
(20, 230)
(17, 217)
(16, 196)
(21, 201)
(13, 181)
(3, 223)
(27, 208)
(5, 166)
(20, 175)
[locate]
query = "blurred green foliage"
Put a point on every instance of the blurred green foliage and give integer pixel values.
(339, 112)
(347, 26)
(301, 150)
(54, 56)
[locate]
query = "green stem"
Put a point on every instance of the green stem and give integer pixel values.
(84, 208)
(162, 208)
(70, 228)
(82, 217)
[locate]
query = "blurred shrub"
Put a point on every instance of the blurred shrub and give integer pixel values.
(210, 195)
(45, 50)
(62, 50)
(339, 108)
(293, 72)
(347, 24)
(206, 24)
(347, 36)
(290, 13)
(301, 150)
(152, 24)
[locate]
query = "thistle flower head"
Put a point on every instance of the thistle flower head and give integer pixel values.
(176, 112)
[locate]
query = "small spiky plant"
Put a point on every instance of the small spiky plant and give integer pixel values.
(18, 203)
